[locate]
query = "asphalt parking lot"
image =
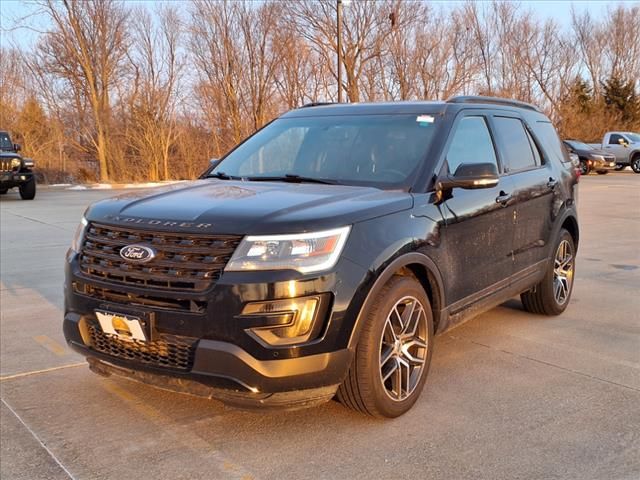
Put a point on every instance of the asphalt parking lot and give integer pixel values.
(510, 395)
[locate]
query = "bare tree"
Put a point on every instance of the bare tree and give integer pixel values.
(157, 67)
(86, 48)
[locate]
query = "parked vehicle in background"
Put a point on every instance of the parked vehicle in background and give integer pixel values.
(15, 171)
(625, 146)
(591, 158)
(320, 256)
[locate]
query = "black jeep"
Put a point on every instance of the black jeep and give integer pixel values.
(320, 257)
(15, 171)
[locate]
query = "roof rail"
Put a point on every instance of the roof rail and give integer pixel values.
(317, 104)
(495, 100)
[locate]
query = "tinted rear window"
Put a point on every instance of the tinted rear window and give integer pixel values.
(550, 141)
(518, 152)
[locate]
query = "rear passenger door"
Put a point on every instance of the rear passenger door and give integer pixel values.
(534, 183)
(478, 234)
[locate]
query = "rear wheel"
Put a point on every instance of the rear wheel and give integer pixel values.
(28, 190)
(394, 352)
(551, 296)
(3, 191)
(619, 167)
(635, 164)
(602, 172)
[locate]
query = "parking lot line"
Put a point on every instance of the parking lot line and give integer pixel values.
(51, 345)
(55, 459)
(36, 372)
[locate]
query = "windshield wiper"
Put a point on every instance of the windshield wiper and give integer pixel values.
(292, 178)
(223, 176)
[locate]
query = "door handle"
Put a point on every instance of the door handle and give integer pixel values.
(552, 183)
(503, 198)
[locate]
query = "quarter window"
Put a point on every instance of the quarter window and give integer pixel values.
(471, 143)
(518, 149)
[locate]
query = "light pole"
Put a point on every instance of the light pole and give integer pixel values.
(339, 48)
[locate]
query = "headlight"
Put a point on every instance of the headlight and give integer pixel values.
(78, 237)
(15, 163)
(304, 252)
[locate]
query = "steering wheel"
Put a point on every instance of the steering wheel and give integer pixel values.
(394, 173)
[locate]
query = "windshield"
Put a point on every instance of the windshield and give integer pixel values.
(5, 142)
(384, 151)
(579, 145)
(634, 137)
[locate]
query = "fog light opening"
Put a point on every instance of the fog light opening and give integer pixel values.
(302, 312)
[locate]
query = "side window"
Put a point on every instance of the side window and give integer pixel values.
(614, 139)
(518, 151)
(471, 143)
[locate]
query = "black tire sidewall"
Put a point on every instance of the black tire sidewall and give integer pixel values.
(367, 353)
(635, 164)
(28, 190)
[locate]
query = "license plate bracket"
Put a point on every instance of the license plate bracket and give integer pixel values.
(126, 324)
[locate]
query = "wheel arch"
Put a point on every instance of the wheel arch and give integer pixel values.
(413, 264)
(570, 223)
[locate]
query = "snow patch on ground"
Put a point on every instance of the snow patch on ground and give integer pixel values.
(113, 186)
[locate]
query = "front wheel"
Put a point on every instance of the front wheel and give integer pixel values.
(602, 172)
(28, 190)
(551, 296)
(3, 191)
(584, 168)
(619, 167)
(635, 164)
(394, 352)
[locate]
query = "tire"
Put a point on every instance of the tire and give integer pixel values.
(548, 297)
(3, 191)
(619, 167)
(364, 388)
(602, 172)
(635, 164)
(28, 190)
(584, 168)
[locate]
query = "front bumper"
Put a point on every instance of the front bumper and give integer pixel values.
(14, 179)
(226, 362)
(599, 165)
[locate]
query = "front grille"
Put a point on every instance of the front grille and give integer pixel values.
(155, 301)
(187, 262)
(5, 164)
(169, 351)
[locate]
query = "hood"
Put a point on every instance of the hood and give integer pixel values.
(236, 207)
(592, 151)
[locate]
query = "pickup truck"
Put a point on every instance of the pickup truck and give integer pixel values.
(625, 146)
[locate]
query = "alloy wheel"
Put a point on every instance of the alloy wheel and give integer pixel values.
(563, 272)
(403, 348)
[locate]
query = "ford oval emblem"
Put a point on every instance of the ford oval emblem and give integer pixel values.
(137, 253)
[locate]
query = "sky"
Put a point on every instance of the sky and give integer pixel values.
(558, 10)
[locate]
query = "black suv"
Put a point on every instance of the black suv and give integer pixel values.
(15, 171)
(321, 255)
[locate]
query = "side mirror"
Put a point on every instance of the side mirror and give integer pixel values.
(471, 176)
(17, 147)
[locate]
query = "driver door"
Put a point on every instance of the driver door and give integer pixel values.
(616, 148)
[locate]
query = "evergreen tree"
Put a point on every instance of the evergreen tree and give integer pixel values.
(620, 96)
